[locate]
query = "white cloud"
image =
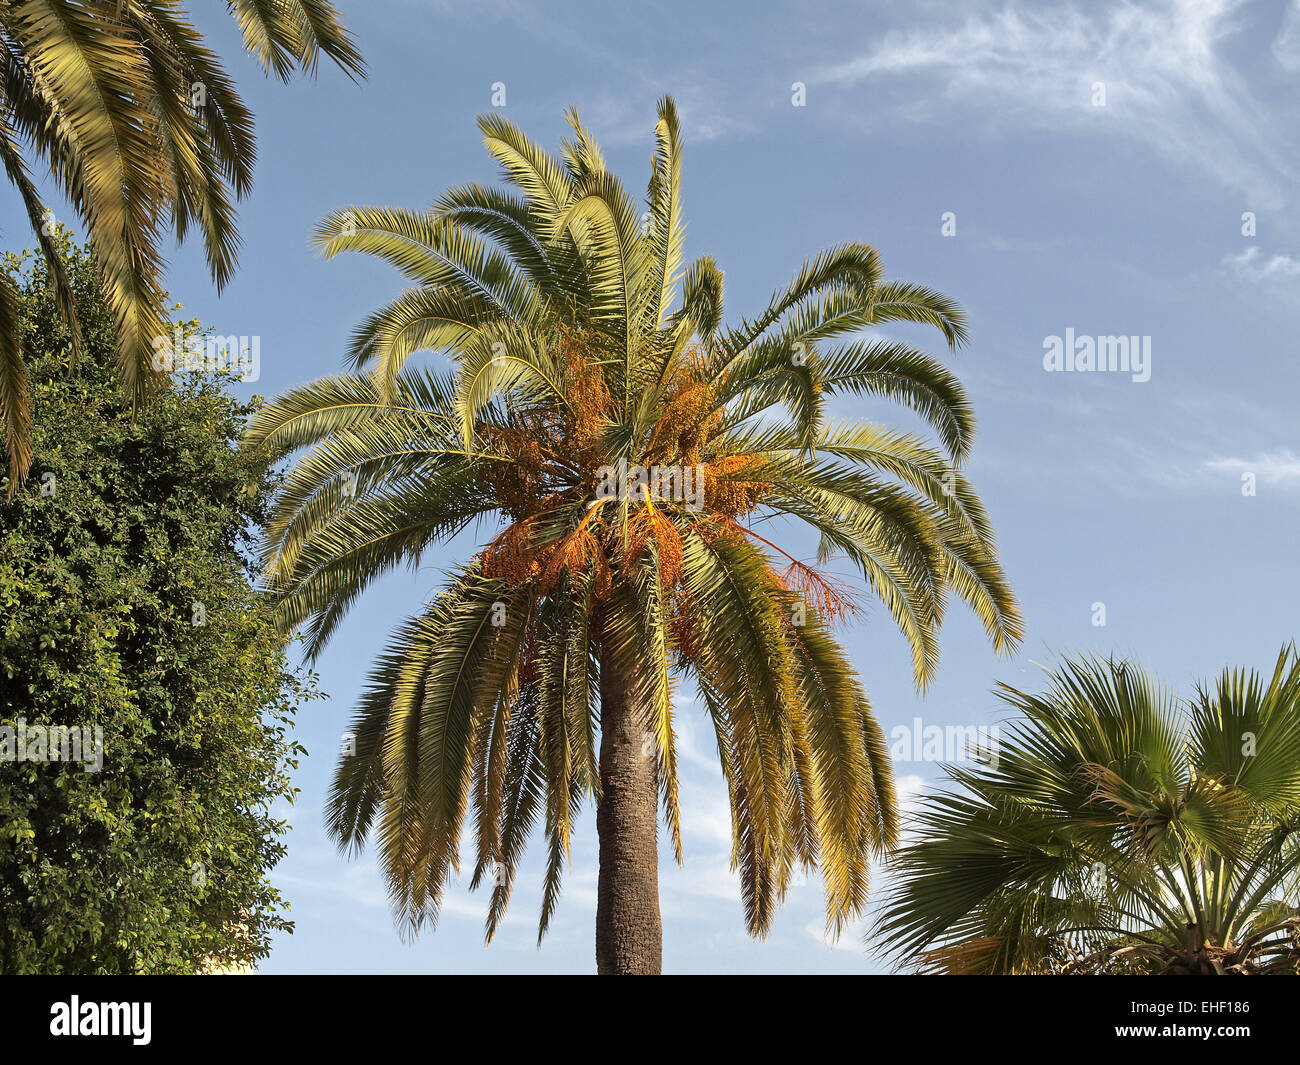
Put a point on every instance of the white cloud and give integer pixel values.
(356, 884)
(1167, 85)
(1271, 467)
(849, 940)
(1252, 266)
(909, 788)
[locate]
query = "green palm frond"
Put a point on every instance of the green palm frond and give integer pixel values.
(16, 170)
(1111, 831)
(292, 35)
(140, 128)
(902, 301)
(666, 231)
(702, 298)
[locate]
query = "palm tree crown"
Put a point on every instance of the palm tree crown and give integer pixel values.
(139, 126)
(581, 345)
(1116, 829)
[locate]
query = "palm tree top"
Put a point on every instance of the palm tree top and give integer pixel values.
(564, 286)
(580, 344)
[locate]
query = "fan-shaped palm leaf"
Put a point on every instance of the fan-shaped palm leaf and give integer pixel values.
(1116, 830)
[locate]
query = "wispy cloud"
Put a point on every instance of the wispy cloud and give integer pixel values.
(1270, 467)
(1255, 268)
(614, 89)
(1167, 82)
(1286, 46)
(849, 940)
(627, 116)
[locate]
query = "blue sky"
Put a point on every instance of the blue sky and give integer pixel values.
(1123, 217)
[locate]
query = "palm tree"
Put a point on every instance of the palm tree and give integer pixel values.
(138, 125)
(1117, 829)
(543, 674)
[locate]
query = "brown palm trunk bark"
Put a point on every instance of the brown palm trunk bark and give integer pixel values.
(629, 934)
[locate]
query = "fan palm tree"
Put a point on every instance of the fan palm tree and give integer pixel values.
(138, 125)
(542, 675)
(1116, 829)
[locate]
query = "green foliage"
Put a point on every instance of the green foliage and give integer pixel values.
(1118, 829)
(157, 863)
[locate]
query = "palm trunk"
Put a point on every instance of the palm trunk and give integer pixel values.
(629, 935)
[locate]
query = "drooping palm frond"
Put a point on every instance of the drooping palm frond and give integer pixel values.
(578, 342)
(289, 35)
(15, 398)
(140, 128)
(1117, 829)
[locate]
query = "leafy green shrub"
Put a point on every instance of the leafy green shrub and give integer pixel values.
(126, 603)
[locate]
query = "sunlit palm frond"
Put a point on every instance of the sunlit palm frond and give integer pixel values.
(140, 128)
